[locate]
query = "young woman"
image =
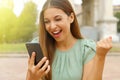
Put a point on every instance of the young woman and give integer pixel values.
(68, 55)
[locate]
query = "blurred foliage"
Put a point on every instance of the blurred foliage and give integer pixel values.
(18, 29)
(7, 20)
(117, 15)
(19, 47)
(26, 22)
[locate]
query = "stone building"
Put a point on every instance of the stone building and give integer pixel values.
(116, 8)
(96, 19)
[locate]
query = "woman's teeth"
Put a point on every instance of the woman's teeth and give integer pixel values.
(56, 32)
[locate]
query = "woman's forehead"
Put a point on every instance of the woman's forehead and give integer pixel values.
(49, 12)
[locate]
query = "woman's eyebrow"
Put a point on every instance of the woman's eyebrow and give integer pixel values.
(58, 16)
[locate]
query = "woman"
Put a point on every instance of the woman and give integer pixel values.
(68, 55)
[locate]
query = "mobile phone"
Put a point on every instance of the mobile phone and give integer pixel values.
(34, 47)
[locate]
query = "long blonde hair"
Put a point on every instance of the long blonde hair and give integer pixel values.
(47, 42)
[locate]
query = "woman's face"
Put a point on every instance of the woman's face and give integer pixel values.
(57, 23)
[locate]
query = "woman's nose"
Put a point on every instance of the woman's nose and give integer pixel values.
(52, 25)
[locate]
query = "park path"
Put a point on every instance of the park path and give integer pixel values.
(14, 67)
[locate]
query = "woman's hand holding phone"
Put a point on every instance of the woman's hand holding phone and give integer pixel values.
(36, 72)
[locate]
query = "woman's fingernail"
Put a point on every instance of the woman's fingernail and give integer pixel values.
(110, 37)
(45, 57)
(33, 53)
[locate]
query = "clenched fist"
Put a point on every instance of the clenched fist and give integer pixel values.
(103, 46)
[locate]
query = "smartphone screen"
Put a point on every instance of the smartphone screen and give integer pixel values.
(35, 47)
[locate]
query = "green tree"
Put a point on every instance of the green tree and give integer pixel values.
(7, 21)
(117, 15)
(27, 22)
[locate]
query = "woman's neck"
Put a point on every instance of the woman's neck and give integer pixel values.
(66, 44)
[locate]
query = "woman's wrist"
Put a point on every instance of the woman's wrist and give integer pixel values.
(100, 57)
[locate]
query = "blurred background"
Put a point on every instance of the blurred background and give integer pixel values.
(19, 23)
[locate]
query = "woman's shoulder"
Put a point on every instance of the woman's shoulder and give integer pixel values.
(89, 49)
(88, 43)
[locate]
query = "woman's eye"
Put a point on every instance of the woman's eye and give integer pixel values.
(58, 19)
(46, 22)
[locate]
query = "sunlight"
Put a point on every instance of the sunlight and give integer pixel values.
(39, 3)
(77, 1)
(18, 6)
(116, 2)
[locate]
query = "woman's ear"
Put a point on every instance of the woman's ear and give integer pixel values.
(71, 17)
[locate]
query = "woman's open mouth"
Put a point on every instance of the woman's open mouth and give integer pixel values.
(56, 34)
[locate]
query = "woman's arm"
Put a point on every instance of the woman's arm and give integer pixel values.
(93, 70)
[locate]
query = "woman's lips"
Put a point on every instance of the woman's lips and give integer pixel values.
(56, 34)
